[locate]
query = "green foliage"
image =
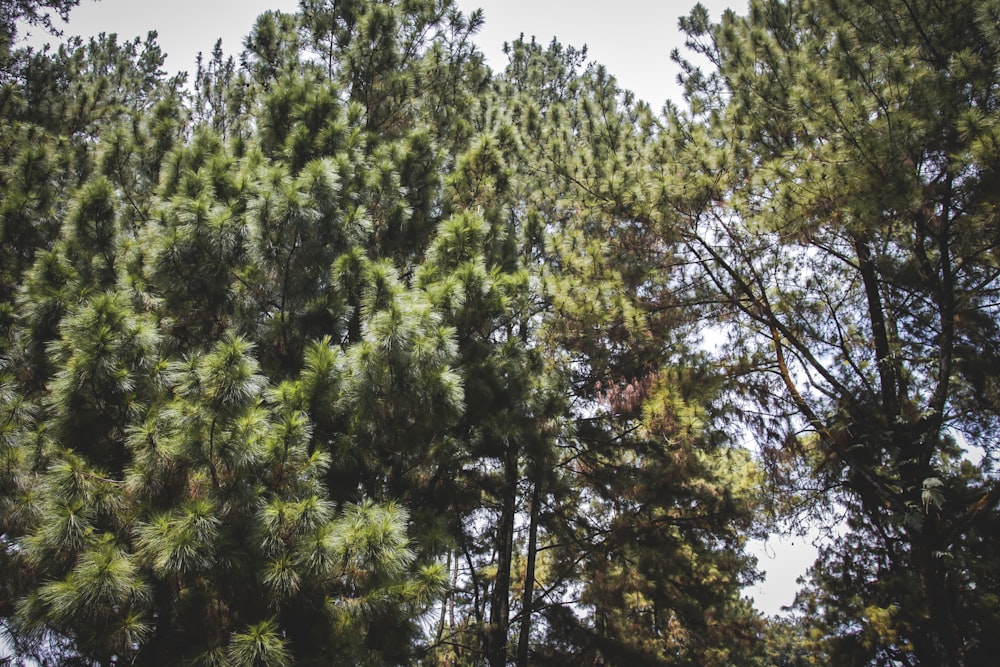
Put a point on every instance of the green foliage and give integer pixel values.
(831, 186)
(33, 13)
(356, 352)
(260, 646)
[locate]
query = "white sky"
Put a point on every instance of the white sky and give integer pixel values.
(632, 38)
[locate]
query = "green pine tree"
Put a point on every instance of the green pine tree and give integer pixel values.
(833, 181)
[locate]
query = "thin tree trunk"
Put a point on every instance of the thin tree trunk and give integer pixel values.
(529, 577)
(446, 600)
(496, 633)
(943, 640)
(885, 361)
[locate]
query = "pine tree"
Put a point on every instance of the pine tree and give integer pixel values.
(548, 159)
(834, 183)
(354, 353)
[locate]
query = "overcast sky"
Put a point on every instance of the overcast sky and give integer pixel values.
(632, 38)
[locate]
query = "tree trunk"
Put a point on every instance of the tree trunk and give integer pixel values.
(942, 642)
(496, 633)
(529, 577)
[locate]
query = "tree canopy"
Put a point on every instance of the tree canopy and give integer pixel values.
(350, 350)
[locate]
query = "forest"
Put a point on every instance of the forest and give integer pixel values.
(349, 350)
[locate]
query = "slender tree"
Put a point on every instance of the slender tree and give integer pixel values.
(601, 313)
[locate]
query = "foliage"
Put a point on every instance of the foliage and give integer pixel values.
(356, 352)
(32, 13)
(834, 189)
